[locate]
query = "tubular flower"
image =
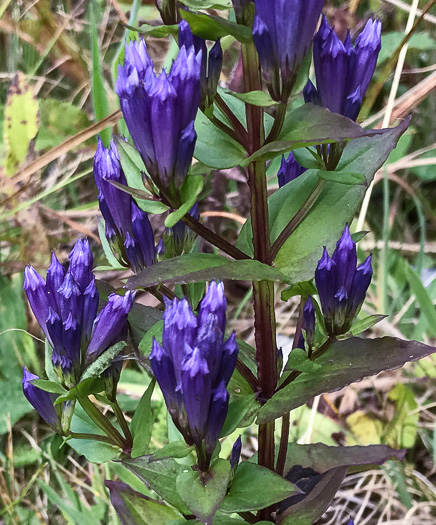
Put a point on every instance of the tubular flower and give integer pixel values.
(289, 170)
(343, 71)
(211, 64)
(160, 111)
(282, 34)
(193, 367)
(128, 228)
(42, 401)
(65, 305)
(341, 286)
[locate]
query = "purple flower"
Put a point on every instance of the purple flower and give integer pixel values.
(343, 71)
(194, 365)
(341, 286)
(309, 321)
(289, 170)
(65, 305)
(160, 110)
(42, 401)
(128, 228)
(282, 34)
(236, 453)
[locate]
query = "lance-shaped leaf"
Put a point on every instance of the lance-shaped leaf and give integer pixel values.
(212, 27)
(309, 125)
(337, 204)
(160, 475)
(328, 466)
(197, 267)
(133, 508)
(203, 492)
(255, 487)
(344, 363)
(313, 506)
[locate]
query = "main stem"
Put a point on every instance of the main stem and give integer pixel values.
(263, 291)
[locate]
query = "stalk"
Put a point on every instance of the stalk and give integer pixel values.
(263, 291)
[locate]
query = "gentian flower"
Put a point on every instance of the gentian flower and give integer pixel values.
(282, 34)
(236, 453)
(160, 111)
(42, 401)
(309, 321)
(343, 71)
(289, 170)
(341, 286)
(211, 64)
(65, 305)
(128, 228)
(193, 367)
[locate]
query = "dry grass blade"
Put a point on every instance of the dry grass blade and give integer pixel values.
(66, 146)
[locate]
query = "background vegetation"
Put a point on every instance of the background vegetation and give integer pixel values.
(57, 75)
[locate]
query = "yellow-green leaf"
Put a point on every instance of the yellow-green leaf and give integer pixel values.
(21, 122)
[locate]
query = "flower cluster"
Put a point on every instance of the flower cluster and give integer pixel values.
(289, 169)
(65, 305)
(343, 71)
(128, 228)
(193, 367)
(282, 34)
(211, 64)
(341, 286)
(160, 110)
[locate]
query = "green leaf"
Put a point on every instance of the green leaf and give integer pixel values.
(313, 506)
(204, 492)
(91, 385)
(175, 449)
(401, 431)
(111, 259)
(94, 451)
(161, 31)
(336, 205)
(344, 363)
(161, 476)
(196, 5)
(423, 298)
(255, 98)
(360, 326)
(188, 193)
(309, 125)
(215, 148)
(420, 41)
(142, 422)
(255, 487)
(239, 411)
(342, 177)
(49, 386)
(299, 361)
(212, 27)
(133, 508)
(304, 288)
(20, 123)
(196, 267)
(13, 344)
(98, 90)
(59, 120)
(141, 319)
(103, 361)
(323, 458)
(155, 332)
(141, 197)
